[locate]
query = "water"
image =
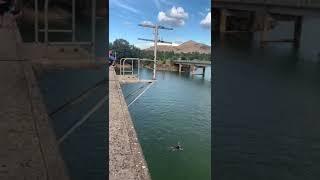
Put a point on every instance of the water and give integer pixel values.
(267, 117)
(177, 108)
(85, 150)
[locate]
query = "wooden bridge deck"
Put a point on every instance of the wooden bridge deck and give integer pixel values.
(126, 160)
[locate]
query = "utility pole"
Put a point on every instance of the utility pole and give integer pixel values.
(155, 40)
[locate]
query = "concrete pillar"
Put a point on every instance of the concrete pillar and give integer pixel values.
(192, 69)
(297, 31)
(253, 22)
(223, 20)
(180, 67)
(264, 31)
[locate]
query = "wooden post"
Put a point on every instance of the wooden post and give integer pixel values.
(297, 31)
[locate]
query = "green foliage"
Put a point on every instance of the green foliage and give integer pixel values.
(124, 49)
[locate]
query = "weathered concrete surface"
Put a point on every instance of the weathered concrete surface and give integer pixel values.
(29, 149)
(128, 79)
(126, 160)
(28, 143)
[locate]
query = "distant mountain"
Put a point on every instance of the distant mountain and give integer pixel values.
(186, 47)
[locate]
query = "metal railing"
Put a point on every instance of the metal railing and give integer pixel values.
(46, 29)
(124, 60)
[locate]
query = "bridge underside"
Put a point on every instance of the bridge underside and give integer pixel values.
(284, 9)
(192, 68)
(261, 19)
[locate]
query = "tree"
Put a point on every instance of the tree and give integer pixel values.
(125, 49)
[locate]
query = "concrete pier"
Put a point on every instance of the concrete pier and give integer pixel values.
(192, 65)
(126, 160)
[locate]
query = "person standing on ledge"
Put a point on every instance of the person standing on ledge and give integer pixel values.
(8, 12)
(112, 58)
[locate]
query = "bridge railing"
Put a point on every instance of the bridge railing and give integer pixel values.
(294, 3)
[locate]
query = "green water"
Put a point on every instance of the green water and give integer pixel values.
(176, 108)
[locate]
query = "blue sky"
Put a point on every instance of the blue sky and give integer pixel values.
(191, 20)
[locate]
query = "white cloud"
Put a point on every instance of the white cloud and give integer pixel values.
(201, 14)
(174, 17)
(206, 22)
(178, 13)
(147, 23)
(125, 6)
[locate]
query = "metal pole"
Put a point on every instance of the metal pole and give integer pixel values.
(93, 16)
(46, 21)
(138, 69)
(36, 23)
(155, 51)
(73, 20)
(131, 66)
(121, 66)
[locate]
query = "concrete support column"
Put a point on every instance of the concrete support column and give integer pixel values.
(264, 31)
(253, 22)
(180, 67)
(192, 69)
(223, 21)
(297, 31)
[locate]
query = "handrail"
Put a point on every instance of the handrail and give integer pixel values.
(72, 30)
(122, 65)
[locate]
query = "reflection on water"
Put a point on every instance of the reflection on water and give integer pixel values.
(268, 100)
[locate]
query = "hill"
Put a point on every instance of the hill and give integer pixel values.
(186, 47)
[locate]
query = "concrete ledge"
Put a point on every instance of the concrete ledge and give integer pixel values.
(55, 167)
(126, 160)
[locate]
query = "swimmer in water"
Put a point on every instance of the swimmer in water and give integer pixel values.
(177, 147)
